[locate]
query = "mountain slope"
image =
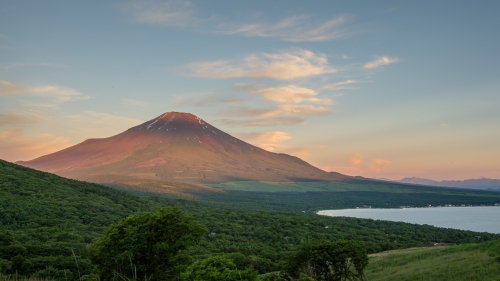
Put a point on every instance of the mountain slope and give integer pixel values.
(177, 147)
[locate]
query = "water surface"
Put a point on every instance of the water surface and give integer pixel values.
(482, 219)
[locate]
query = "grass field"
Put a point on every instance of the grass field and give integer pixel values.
(313, 186)
(479, 262)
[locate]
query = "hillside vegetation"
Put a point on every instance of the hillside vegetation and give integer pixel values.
(44, 219)
(471, 262)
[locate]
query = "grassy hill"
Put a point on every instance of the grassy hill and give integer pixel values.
(471, 262)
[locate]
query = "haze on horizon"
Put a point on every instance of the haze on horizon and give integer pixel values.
(384, 89)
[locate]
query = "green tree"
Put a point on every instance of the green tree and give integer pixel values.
(330, 261)
(217, 268)
(150, 246)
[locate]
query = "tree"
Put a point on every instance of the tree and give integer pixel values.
(217, 268)
(150, 246)
(330, 261)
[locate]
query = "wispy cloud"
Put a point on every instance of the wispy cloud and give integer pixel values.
(174, 12)
(300, 28)
(285, 94)
(299, 151)
(270, 141)
(296, 28)
(282, 66)
(279, 111)
(338, 86)
(379, 62)
(263, 122)
(266, 137)
(57, 93)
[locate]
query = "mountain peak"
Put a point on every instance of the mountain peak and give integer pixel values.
(178, 115)
(176, 146)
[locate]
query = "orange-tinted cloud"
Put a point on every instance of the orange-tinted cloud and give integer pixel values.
(376, 165)
(266, 137)
(282, 66)
(262, 122)
(299, 151)
(356, 159)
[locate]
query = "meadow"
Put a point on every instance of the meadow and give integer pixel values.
(461, 262)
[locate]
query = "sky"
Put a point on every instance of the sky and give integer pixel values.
(382, 89)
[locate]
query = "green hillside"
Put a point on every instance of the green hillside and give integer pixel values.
(45, 218)
(479, 262)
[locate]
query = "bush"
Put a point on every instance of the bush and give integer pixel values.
(329, 261)
(151, 245)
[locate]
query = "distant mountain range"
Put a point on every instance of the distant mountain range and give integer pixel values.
(175, 147)
(482, 183)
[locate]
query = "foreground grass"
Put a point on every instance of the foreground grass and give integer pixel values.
(464, 262)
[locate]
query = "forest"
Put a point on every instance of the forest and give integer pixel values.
(49, 225)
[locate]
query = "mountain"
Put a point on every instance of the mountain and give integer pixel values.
(175, 147)
(482, 183)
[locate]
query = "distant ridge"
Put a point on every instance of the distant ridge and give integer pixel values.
(481, 183)
(175, 147)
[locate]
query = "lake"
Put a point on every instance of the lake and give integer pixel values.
(482, 219)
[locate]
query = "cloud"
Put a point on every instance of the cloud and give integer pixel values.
(337, 86)
(381, 61)
(15, 145)
(282, 66)
(264, 122)
(299, 151)
(377, 164)
(57, 93)
(16, 118)
(266, 137)
(279, 111)
(356, 159)
(175, 12)
(285, 94)
(445, 125)
(295, 29)
(357, 165)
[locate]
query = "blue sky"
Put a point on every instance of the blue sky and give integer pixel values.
(373, 88)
